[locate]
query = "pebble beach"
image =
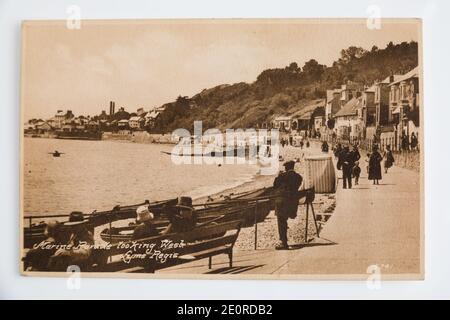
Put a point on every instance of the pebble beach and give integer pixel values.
(268, 230)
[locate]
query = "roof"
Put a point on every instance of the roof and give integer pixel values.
(283, 118)
(349, 109)
(331, 94)
(42, 123)
(351, 86)
(123, 121)
(414, 73)
(306, 116)
(134, 118)
(309, 109)
(152, 114)
(370, 89)
(396, 110)
(388, 79)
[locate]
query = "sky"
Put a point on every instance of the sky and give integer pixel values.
(145, 63)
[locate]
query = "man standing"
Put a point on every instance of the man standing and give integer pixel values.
(286, 185)
(346, 163)
(414, 141)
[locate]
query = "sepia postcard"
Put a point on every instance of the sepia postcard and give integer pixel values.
(222, 149)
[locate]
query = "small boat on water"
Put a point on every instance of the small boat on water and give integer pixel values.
(56, 153)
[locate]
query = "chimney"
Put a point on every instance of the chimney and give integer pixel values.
(391, 78)
(112, 106)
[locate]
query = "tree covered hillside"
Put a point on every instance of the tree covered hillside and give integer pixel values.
(284, 90)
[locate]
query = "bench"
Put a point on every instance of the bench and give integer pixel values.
(202, 242)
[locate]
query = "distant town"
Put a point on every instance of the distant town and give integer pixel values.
(64, 123)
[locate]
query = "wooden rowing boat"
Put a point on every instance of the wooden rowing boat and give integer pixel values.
(229, 205)
(35, 233)
(248, 211)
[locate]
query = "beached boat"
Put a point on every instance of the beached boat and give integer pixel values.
(35, 232)
(250, 207)
(243, 203)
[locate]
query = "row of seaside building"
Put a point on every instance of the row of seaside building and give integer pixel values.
(386, 113)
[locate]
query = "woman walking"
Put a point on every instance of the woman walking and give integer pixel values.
(375, 165)
(389, 158)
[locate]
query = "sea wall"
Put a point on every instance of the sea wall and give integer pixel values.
(139, 137)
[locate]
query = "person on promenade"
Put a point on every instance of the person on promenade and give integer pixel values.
(286, 185)
(367, 162)
(184, 218)
(375, 165)
(355, 153)
(325, 146)
(389, 158)
(414, 141)
(337, 150)
(356, 172)
(146, 228)
(405, 142)
(346, 163)
(307, 143)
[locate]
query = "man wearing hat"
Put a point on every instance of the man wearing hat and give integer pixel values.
(346, 162)
(80, 244)
(183, 218)
(146, 228)
(286, 185)
(37, 259)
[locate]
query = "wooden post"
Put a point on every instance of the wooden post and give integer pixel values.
(256, 224)
(110, 236)
(29, 221)
(306, 223)
(315, 220)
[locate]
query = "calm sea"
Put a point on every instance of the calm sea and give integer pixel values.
(101, 174)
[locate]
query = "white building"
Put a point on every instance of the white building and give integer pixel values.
(136, 122)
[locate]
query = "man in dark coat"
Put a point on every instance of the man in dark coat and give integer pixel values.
(183, 218)
(286, 184)
(414, 141)
(375, 165)
(346, 161)
(337, 150)
(355, 154)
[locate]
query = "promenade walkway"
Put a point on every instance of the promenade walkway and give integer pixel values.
(371, 225)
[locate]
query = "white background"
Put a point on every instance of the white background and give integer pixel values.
(436, 28)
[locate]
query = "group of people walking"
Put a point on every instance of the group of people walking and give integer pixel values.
(298, 141)
(348, 162)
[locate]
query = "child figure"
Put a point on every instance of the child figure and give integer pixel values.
(367, 162)
(356, 172)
